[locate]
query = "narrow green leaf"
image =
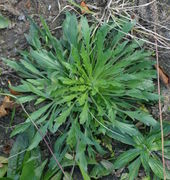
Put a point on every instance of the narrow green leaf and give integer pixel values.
(101, 34)
(43, 60)
(69, 98)
(25, 99)
(37, 114)
(86, 31)
(84, 114)
(35, 90)
(145, 159)
(126, 128)
(84, 173)
(20, 128)
(28, 171)
(45, 26)
(16, 66)
(33, 36)
(70, 29)
(80, 155)
(21, 88)
(20, 145)
(38, 137)
(39, 170)
(58, 146)
(142, 116)
(134, 168)
(62, 118)
(67, 176)
(126, 158)
(107, 165)
(99, 171)
(82, 99)
(72, 136)
(157, 168)
(75, 55)
(86, 60)
(57, 176)
(123, 32)
(31, 67)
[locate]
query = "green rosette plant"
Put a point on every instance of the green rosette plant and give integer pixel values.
(88, 87)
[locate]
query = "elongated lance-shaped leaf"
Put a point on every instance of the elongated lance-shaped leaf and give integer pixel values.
(70, 29)
(126, 158)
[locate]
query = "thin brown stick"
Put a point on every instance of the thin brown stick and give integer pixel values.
(41, 134)
(159, 91)
(160, 109)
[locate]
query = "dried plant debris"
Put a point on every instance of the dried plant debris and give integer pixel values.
(6, 105)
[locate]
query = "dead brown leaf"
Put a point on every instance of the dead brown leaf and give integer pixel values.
(12, 91)
(6, 105)
(163, 76)
(84, 6)
(3, 112)
(28, 4)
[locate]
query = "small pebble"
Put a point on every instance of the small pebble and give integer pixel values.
(49, 7)
(21, 17)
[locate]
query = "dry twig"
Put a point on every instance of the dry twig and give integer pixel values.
(159, 93)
